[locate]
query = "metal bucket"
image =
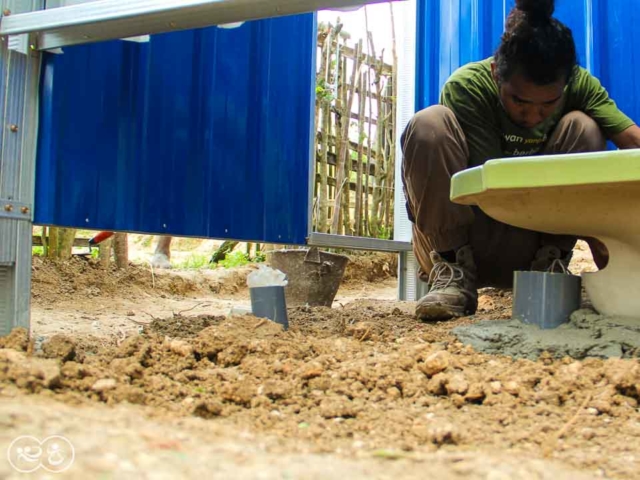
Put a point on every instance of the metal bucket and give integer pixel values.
(314, 276)
(545, 299)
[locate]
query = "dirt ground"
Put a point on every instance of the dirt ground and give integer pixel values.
(148, 376)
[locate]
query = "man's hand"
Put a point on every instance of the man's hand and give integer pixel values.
(629, 138)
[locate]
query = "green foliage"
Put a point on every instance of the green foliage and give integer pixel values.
(324, 92)
(194, 261)
(37, 251)
(385, 233)
(234, 259)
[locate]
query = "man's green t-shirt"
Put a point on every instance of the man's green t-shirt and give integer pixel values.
(472, 94)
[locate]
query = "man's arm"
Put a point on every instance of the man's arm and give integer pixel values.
(629, 138)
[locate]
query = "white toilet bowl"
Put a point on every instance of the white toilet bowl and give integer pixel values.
(586, 195)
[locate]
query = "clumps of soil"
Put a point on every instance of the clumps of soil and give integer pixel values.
(370, 267)
(58, 280)
(59, 346)
(18, 339)
(183, 327)
(367, 377)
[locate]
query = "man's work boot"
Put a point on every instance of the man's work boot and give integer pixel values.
(452, 288)
(549, 258)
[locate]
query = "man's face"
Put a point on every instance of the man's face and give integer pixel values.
(526, 103)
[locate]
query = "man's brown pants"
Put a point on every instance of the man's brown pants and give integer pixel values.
(434, 149)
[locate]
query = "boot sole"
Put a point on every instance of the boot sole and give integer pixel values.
(439, 311)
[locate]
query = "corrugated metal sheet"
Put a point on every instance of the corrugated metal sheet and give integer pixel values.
(205, 133)
(454, 32)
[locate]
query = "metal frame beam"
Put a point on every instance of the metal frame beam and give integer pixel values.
(112, 19)
(357, 243)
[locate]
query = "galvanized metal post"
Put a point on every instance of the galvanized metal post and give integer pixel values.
(19, 78)
(408, 282)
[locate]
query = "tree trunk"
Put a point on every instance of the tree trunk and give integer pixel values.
(66, 236)
(104, 249)
(121, 250)
(53, 242)
(45, 242)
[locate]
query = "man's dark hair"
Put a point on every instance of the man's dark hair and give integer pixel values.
(535, 44)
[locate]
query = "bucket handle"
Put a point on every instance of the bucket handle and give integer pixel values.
(312, 256)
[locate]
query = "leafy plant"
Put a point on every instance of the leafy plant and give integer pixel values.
(234, 259)
(194, 262)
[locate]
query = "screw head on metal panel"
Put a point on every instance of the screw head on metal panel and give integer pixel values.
(8, 208)
(24, 210)
(6, 12)
(14, 128)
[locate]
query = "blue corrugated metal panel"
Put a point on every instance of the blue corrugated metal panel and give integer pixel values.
(204, 133)
(454, 32)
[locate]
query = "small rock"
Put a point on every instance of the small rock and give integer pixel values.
(311, 370)
(592, 411)
(512, 388)
(394, 393)
(104, 384)
(588, 433)
(457, 384)
(435, 363)
(476, 393)
(131, 313)
(602, 406)
(181, 347)
(458, 400)
(496, 387)
(436, 386)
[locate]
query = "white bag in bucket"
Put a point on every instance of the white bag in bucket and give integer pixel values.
(266, 277)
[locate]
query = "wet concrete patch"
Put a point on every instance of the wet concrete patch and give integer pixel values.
(587, 334)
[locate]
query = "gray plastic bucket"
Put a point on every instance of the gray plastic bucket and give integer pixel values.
(269, 302)
(545, 299)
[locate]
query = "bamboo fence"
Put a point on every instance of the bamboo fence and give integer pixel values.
(355, 124)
